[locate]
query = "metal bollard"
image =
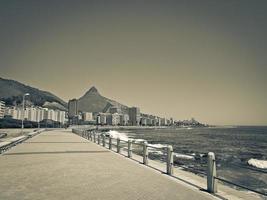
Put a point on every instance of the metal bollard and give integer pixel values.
(118, 145)
(130, 148)
(104, 140)
(145, 153)
(169, 160)
(211, 173)
(98, 139)
(110, 142)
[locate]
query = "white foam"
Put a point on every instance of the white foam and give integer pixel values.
(116, 134)
(201, 155)
(262, 164)
(183, 156)
(158, 145)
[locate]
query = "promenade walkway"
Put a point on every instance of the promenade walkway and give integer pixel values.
(61, 165)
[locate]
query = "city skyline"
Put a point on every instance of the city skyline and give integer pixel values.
(176, 59)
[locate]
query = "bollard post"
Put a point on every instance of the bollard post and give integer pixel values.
(130, 148)
(145, 153)
(104, 140)
(88, 135)
(98, 139)
(118, 145)
(110, 142)
(94, 138)
(169, 160)
(211, 173)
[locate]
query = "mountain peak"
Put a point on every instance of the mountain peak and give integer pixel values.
(92, 90)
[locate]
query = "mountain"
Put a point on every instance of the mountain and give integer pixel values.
(93, 101)
(12, 91)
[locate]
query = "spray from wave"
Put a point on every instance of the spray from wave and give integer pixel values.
(262, 164)
(116, 134)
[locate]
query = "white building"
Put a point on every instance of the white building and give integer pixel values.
(32, 114)
(51, 115)
(163, 121)
(124, 119)
(36, 114)
(102, 119)
(115, 117)
(143, 121)
(61, 116)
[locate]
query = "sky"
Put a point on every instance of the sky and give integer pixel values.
(181, 59)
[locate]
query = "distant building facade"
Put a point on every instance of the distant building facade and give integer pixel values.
(144, 121)
(101, 119)
(73, 111)
(115, 119)
(73, 108)
(87, 116)
(124, 119)
(134, 116)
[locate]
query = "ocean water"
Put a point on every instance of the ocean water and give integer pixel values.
(241, 152)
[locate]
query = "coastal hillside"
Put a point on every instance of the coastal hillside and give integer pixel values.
(93, 101)
(12, 91)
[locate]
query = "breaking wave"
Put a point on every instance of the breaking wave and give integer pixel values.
(151, 148)
(116, 134)
(183, 156)
(262, 164)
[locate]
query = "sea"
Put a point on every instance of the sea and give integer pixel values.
(240, 151)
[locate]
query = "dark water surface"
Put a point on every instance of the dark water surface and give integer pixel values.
(233, 147)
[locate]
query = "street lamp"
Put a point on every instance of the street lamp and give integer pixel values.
(23, 110)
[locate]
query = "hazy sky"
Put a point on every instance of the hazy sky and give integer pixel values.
(181, 59)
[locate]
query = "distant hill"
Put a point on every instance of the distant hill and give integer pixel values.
(12, 91)
(92, 101)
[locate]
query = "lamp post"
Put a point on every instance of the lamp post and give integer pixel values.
(23, 110)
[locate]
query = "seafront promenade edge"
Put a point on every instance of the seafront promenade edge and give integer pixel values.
(61, 165)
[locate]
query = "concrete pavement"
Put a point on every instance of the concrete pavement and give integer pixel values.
(61, 165)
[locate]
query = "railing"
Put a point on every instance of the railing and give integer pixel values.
(4, 146)
(211, 172)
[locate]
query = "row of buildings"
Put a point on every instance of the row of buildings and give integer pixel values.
(113, 115)
(33, 114)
